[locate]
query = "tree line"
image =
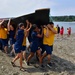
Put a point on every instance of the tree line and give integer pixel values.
(62, 18)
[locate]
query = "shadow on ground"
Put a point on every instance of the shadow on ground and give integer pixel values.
(58, 65)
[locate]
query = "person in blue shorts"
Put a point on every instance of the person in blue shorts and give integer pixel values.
(3, 36)
(48, 40)
(26, 30)
(35, 43)
(40, 42)
(11, 32)
(18, 45)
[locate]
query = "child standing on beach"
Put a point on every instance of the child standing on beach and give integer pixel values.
(68, 31)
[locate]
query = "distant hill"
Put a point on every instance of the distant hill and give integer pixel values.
(63, 18)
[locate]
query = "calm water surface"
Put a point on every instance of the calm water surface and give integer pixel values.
(66, 25)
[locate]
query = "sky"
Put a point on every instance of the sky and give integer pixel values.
(15, 8)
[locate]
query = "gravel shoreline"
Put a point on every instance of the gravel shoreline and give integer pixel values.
(63, 59)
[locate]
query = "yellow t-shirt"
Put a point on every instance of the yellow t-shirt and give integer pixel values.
(24, 40)
(3, 33)
(50, 39)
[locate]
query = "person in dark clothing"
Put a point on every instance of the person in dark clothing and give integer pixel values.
(11, 32)
(18, 46)
(35, 43)
(0, 45)
(58, 30)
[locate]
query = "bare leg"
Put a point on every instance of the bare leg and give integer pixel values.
(13, 51)
(17, 57)
(21, 57)
(49, 58)
(30, 56)
(39, 55)
(43, 56)
(5, 49)
(24, 55)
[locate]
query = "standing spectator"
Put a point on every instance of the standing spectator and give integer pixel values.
(70, 30)
(58, 30)
(62, 31)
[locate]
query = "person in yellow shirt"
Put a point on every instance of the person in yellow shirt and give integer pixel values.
(3, 36)
(0, 34)
(48, 40)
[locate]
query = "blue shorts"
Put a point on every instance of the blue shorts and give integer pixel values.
(34, 47)
(48, 49)
(41, 45)
(4, 42)
(17, 48)
(23, 48)
(12, 41)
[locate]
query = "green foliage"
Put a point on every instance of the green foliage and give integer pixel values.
(63, 18)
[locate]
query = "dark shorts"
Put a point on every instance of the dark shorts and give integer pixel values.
(23, 48)
(17, 48)
(41, 45)
(4, 42)
(29, 39)
(17, 51)
(12, 41)
(48, 49)
(58, 31)
(34, 47)
(0, 45)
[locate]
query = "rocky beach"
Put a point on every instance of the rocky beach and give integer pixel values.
(63, 60)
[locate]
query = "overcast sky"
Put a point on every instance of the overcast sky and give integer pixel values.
(14, 8)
